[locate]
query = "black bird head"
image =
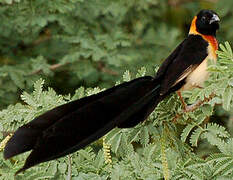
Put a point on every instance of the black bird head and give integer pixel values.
(207, 22)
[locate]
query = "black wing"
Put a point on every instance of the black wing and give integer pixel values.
(184, 59)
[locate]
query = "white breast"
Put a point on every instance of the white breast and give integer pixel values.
(200, 74)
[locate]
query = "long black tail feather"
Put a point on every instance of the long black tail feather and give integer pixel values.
(72, 126)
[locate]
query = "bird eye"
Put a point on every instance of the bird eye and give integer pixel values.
(203, 18)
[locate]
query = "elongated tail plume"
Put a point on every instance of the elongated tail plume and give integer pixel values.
(72, 126)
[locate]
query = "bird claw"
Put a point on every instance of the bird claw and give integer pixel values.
(187, 108)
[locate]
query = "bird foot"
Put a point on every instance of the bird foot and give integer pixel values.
(185, 106)
(188, 108)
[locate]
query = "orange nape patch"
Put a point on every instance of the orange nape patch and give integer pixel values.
(211, 39)
(193, 29)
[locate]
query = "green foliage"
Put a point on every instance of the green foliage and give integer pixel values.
(73, 43)
(165, 145)
(78, 44)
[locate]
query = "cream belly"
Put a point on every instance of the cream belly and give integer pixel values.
(200, 74)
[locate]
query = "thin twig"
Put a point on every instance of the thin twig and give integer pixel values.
(52, 68)
(6, 133)
(196, 105)
(177, 116)
(109, 71)
(69, 175)
(193, 107)
(101, 67)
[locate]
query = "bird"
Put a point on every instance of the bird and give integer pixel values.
(74, 125)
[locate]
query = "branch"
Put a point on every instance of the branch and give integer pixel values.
(6, 133)
(101, 67)
(52, 68)
(69, 175)
(194, 106)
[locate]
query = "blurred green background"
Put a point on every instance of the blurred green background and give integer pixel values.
(73, 43)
